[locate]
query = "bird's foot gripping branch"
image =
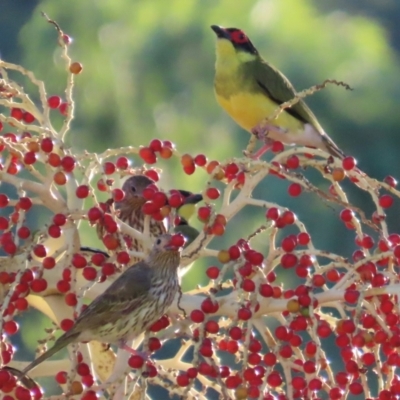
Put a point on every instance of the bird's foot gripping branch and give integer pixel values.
(280, 317)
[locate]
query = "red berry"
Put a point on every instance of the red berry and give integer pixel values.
(4, 200)
(200, 160)
(46, 145)
(386, 201)
(177, 240)
(38, 285)
(82, 191)
(24, 232)
(182, 380)
(59, 219)
(71, 299)
(78, 261)
(244, 314)
(63, 108)
(4, 224)
(266, 290)
(29, 158)
(248, 285)
(10, 327)
(274, 379)
(61, 377)
(48, 263)
(54, 101)
(122, 163)
(208, 306)
(293, 162)
(21, 304)
(294, 189)
(212, 193)
(82, 369)
(63, 286)
(147, 155)
(277, 147)
(204, 213)
(391, 181)
(234, 252)
(40, 251)
(94, 214)
(68, 163)
(123, 258)
(28, 117)
(156, 145)
(109, 168)
(213, 272)
(197, 316)
(25, 203)
(17, 113)
(66, 324)
(346, 215)
(212, 326)
(289, 243)
(110, 241)
(159, 199)
(273, 214)
(303, 238)
(154, 344)
(288, 260)
(136, 361)
(349, 163)
(89, 273)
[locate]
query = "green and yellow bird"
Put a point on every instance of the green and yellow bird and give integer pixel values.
(250, 90)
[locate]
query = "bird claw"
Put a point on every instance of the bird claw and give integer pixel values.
(261, 132)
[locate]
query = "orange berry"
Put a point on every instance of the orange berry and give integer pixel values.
(187, 160)
(293, 306)
(60, 178)
(165, 152)
(223, 256)
(338, 174)
(75, 68)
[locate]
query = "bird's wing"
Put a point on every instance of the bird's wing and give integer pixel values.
(121, 297)
(277, 87)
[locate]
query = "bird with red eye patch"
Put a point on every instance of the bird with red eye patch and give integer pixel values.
(250, 90)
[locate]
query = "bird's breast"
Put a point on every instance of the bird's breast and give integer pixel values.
(249, 109)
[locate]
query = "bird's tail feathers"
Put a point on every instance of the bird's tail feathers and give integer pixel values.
(332, 148)
(60, 343)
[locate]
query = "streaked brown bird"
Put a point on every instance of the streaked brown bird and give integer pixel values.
(129, 210)
(130, 305)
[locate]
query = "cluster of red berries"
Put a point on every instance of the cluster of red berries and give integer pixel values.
(149, 153)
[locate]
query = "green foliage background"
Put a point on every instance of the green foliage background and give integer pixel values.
(148, 72)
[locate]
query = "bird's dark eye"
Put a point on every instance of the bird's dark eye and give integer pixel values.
(238, 37)
(158, 241)
(133, 189)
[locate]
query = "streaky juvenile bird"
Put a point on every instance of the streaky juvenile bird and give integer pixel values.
(130, 305)
(129, 210)
(250, 90)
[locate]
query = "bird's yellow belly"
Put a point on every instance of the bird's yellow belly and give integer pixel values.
(248, 110)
